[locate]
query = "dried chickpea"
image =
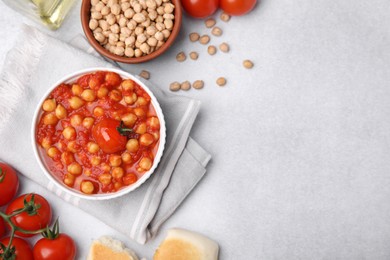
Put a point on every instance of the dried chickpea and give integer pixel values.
(145, 74)
(105, 178)
(50, 119)
(186, 85)
(145, 48)
(221, 81)
(180, 57)
(75, 168)
(138, 53)
(129, 13)
(211, 49)
(247, 64)
(132, 145)
(174, 86)
(166, 33)
(198, 84)
(105, 10)
(49, 105)
(210, 22)
(194, 55)
(224, 17)
(129, 52)
(204, 39)
(216, 31)
(224, 47)
(94, 2)
(87, 187)
(194, 36)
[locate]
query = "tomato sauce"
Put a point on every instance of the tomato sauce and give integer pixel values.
(98, 112)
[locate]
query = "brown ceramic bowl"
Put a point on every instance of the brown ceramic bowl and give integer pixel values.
(85, 17)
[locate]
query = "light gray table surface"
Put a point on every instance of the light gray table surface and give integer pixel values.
(300, 143)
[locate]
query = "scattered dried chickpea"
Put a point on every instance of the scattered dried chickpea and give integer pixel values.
(204, 39)
(174, 86)
(216, 31)
(194, 37)
(180, 57)
(145, 74)
(211, 49)
(194, 55)
(224, 17)
(247, 64)
(224, 47)
(210, 22)
(198, 84)
(221, 81)
(186, 85)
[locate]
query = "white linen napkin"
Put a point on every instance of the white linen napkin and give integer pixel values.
(36, 62)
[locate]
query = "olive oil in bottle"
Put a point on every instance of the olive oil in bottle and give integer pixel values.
(50, 12)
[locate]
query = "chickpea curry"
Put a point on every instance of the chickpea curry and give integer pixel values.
(98, 134)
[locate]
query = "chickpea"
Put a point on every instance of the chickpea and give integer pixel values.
(117, 172)
(96, 15)
(211, 49)
(87, 172)
(99, 6)
(141, 128)
(46, 143)
(160, 10)
(146, 139)
(132, 145)
(50, 119)
(152, 15)
(93, 147)
(94, 2)
(138, 53)
(132, 24)
(69, 133)
(198, 84)
(129, 119)
(67, 158)
(129, 41)
(75, 168)
(145, 74)
(111, 19)
(224, 17)
(76, 102)
(210, 22)
(102, 92)
(180, 57)
(194, 55)
(153, 122)
(248, 64)
(166, 33)
(204, 39)
(115, 9)
(139, 17)
(69, 179)
(60, 112)
(141, 101)
(174, 86)
(127, 85)
(105, 167)
(115, 160)
(98, 111)
(221, 81)
(88, 95)
(145, 48)
(137, 8)
(152, 42)
(87, 187)
(119, 51)
(105, 10)
(145, 163)
(168, 8)
(77, 89)
(72, 146)
(118, 185)
(126, 157)
(115, 95)
(139, 112)
(53, 152)
(129, 13)
(130, 99)
(168, 23)
(129, 52)
(105, 178)
(49, 105)
(76, 120)
(95, 160)
(194, 37)
(216, 31)
(224, 47)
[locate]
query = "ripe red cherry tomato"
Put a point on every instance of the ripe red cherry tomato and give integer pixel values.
(9, 183)
(200, 8)
(22, 248)
(2, 228)
(59, 248)
(33, 219)
(107, 136)
(237, 7)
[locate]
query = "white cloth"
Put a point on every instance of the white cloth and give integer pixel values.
(38, 61)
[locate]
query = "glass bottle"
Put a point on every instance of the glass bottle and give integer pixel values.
(49, 12)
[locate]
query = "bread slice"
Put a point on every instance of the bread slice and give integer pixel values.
(181, 244)
(107, 248)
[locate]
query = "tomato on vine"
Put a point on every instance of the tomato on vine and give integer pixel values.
(19, 249)
(237, 7)
(200, 8)
(55, 246)
(9, 183)
(29, 212)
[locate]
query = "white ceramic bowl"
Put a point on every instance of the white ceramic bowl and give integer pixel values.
(101, 196)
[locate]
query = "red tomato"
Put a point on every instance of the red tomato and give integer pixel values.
(22, 249)
(59, 248)
(9, 183)
(33, 219)
(2, 228)
(107, 136)
(200, 8)
(237, 7)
